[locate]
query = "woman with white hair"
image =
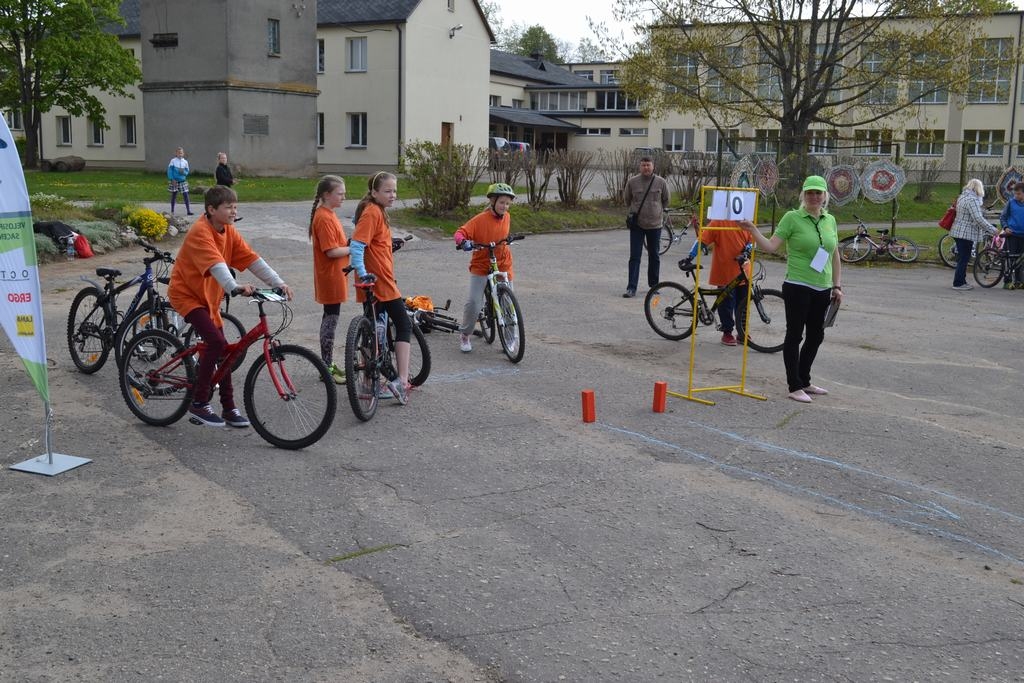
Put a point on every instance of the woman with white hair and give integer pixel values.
(969, 227)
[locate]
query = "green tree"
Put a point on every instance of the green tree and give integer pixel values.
(841, 63)
(58, 53)
(528, 40)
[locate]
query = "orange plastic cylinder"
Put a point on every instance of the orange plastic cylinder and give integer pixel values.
(589, 408)
(660, 395)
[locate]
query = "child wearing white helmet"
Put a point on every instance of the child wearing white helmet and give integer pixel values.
(490, 225)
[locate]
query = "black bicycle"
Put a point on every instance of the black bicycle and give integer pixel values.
(669, 308)
(995, 264)
(96, 325)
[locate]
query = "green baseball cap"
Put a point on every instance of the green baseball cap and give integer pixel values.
(815, 182)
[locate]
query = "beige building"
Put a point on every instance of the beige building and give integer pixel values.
(400, 70)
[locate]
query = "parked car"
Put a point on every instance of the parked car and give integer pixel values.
(519, 148)
(498, 146)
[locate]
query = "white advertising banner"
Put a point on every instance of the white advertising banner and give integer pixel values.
(21, 310)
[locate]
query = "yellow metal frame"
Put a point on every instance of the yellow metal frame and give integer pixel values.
(741, 388)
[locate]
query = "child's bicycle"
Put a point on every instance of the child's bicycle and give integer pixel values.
(501, 315)
(994, 264)
(289, 395)
(369, 356)
(856, 247)
(96, 325)
(669, 308)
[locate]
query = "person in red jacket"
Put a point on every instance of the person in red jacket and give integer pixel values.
(488, 226)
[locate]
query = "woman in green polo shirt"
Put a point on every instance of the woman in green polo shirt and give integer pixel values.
(813, 279)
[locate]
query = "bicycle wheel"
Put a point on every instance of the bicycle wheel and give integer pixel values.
(988, 267)
(667, 239)
(87, 331)
(853, 249)
(419, 353)
(486, 318)
(511, 330)
(903, 250)
(948, 250)
(767, 321)
(361, 369)
(233, 332)
(290, 401)
(156, 386)
(158, 316)
(669, 310)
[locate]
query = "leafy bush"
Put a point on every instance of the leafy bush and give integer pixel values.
(113, 210)
(50, 207)
(103, 236)
(148, 223)
(443, 175)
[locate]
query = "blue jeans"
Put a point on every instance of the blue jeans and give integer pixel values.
(637, 237)
(963, 255)
(732, 309)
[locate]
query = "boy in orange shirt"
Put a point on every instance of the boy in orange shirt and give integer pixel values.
(488, 226)
(727, 246)
(200, 277)
(330, 256)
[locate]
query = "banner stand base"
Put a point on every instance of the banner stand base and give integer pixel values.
(51, 464)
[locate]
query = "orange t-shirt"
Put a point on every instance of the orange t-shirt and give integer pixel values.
(192, 286)
(483, 228)
(728, 245)
(373, 231)
(329, 282)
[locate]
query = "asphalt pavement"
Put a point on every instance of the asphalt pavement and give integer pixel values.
(484, 532)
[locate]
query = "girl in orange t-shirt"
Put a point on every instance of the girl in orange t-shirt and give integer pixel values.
(330, 256)
(371, 256)
(201, 275)
(727, 246)
(488, 226)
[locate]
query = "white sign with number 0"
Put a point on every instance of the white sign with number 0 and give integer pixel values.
(732, 205)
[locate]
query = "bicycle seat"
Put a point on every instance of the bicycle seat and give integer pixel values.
(109, 273)
(687, 266)
(884, 232)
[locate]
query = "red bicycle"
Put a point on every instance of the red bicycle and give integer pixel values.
(288, 393)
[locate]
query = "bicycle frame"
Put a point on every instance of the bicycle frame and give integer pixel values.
(108, 300)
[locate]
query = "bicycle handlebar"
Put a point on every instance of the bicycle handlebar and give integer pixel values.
(491, 245)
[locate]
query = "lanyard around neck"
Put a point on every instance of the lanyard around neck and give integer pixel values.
(816, 228)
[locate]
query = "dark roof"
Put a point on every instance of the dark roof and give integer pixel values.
(527, 117)
(328, 13)
(536, 70)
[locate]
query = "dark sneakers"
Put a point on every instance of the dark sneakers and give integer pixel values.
(202, 414)
(234, 418)
(629, 294)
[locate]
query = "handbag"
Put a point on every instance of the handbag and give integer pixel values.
(632, 218)
(946, 222)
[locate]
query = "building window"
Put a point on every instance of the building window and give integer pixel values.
(719, 90)
(616, 100)
(586, 73)
(925, 142)
(924, 91)
(884, 90)
(766, 141)
(495, 100)
(823, 142)
(63, 131)
(594, 131)
(357, 130)
(355, 49)
(729, 141)
(321, 56)
(769, 85)
(558, 101)
(128, 131)
(633, 132)
(1020, 143)
(517, 104)
(873, 141)
(274, 37)
(451, 5)
(13, 117)
(984, 143)
(95, 134)
(677, 139)
(320, 129)
(991, 66)
(609, 77)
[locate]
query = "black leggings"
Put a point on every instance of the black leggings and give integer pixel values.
(397, 312)
(805, 309)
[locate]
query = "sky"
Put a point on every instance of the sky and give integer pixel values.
(564, 19)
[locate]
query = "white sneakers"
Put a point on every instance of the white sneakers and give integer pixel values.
(464, 344)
